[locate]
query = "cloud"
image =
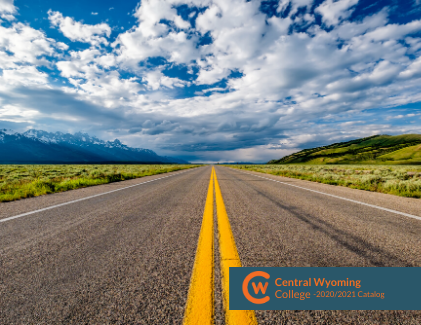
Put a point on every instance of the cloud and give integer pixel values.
(256, 155)
(76, 31)
(156, 80)
(333, 12)
(295, 5)
(7, 9)
(16, 114)
(394, 31)
(160, 32)
(22, 44)
(413, 70)
(94, 13)
(218, 79)
(25, 76)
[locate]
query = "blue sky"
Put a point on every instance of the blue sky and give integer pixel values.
(212, 80)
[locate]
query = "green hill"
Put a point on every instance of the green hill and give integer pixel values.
(377, 149)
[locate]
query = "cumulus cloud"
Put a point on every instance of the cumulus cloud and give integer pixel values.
(394, 31)
(295, 5)
(413, 70)
(76, 31)
(7, 9)
(156, 80)
(251, 80)
(24, 75)
(23, 44)
(22, 51)
(160, 32)
(333, 12)
(151, 12)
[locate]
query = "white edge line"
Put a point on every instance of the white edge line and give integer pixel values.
(86, 198)
(342, 198)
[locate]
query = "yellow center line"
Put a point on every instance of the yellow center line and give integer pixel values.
(200, 301)
(229, 258)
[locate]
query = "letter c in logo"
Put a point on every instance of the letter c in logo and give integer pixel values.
(246, 291)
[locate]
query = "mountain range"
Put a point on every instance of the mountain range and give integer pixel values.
(377, 149)
(41, 147)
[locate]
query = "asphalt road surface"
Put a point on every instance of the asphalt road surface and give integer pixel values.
(127, 257)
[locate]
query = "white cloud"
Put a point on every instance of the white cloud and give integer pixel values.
(80, 64)
(152, 37)
(94, 13)
(26, 75)
(286, 78)
(361, 74)
(414, 43)
(413, 70)
(333, 12)
(17, 114)
(22, 44)
(156, 79)
(7, 9)
(382, 74)
(394, 31)
(76, 31)
(151, 12)
(402, 116)
(347, 30)
(295, 5)
(236, 28)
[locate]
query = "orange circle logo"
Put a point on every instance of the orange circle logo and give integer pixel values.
(257, 288)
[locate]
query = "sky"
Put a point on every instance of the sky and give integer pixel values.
(212, 80)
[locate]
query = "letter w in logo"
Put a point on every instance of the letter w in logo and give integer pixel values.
(259, 287)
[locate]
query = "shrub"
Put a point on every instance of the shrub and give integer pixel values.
(27, 181)
(398, 180)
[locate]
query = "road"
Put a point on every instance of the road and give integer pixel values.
(127, 257)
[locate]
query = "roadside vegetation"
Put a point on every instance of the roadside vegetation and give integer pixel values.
(378, 149)
(397, 180)
(22, 181)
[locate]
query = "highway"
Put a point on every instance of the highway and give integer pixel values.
(142, 251)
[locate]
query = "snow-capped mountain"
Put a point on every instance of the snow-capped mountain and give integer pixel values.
(79, 139)
(37, 146)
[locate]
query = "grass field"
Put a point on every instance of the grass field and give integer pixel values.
(397, 180)
(22, 181)
(375, 150)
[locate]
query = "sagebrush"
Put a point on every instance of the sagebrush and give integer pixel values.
(22, 181)
(398, 180)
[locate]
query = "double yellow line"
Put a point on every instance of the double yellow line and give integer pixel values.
(200, 307)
